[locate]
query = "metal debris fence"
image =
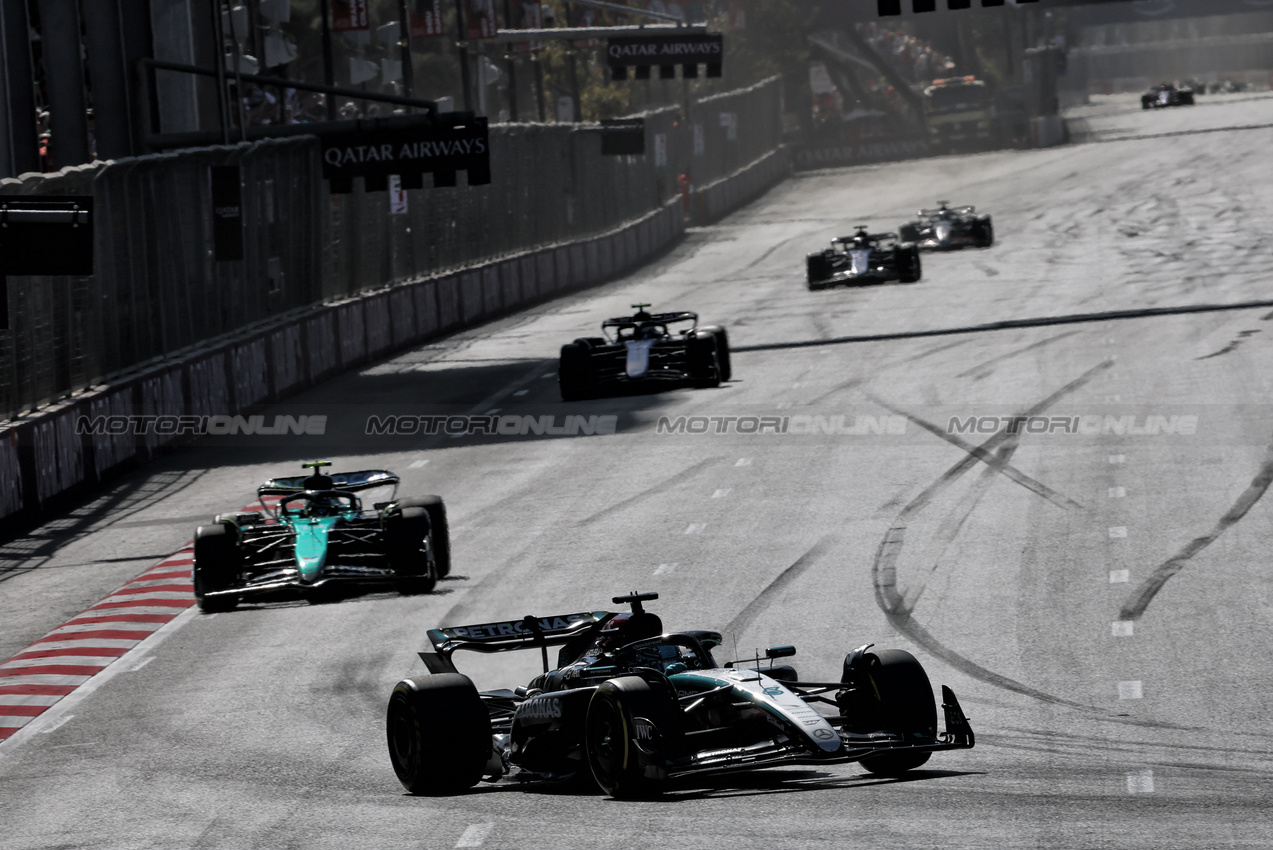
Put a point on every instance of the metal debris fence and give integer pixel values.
(158, 293)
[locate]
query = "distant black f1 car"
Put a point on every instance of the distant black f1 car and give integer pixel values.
(641, 352)
(1166, 94)
(863, 258)
(313, 532)
(948, 228)
(630, 707)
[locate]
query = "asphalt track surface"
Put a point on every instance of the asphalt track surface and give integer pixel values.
(1099, 601)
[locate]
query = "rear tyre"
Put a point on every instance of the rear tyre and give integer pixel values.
(704, 362)
(439, 734)
(630, 729)
(722, 350)
(216, 564)
(406, 533)
(892, 694)
(439, 531)
(908, 233)
(574, 370)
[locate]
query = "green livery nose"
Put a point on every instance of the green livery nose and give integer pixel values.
(311, 545)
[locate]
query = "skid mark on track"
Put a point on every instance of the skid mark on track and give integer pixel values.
(749, 614)
(1139, 600)
(982, 369)
(997, 460)
(656, 489)
(1012, 324)
(897, 607)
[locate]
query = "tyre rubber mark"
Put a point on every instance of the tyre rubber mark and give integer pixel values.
(1011, 324)
(997, 460)
(748, 615)
(897, 608)
(1012, 355)
(657, 489)
(1136, 604)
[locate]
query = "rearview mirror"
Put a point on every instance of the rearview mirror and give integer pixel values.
(780, 652)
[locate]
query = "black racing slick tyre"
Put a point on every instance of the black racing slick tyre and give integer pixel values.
(406, 530)
(722, 350)
(216, 563)
(893, 694)
(439, 734)
(439, 531)
(985, 233)
(907, 263)
(630, 728)
(574, 372)
(908, 233)
(818, 269)
(704, 362)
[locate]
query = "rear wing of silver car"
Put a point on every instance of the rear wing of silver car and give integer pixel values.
(526, 633)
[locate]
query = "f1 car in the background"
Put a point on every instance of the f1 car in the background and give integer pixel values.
(1166, 94)
(863, 258)
(630, 707)
(644, 351)
(949, 228)
(314, 532)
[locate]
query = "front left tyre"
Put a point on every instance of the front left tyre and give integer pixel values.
(722, 350)
(574, 371)
(216, 565)
(629, 730)
(890, 692)
(439, 734)
(406, 535)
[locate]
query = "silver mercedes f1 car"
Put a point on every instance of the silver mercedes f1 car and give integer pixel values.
(630, 707)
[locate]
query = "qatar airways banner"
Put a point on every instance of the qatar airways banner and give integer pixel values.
(408, 150)
(648, 50)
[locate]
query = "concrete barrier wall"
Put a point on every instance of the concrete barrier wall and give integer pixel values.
(48, 456)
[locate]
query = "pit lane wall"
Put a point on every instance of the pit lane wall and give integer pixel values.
(43, 459)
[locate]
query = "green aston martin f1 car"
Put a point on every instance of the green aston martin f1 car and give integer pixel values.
(313, 532)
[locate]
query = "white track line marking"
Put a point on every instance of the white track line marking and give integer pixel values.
(1118, 492)
(1118, 458)
(416, 464)
(722, 493)
(664, 569)
(743, 461)
(1140, 782)
(1117, 531)
(695, 527)
(1120, 576)
(475, 834)
(1122, 628)
(1130, 690)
